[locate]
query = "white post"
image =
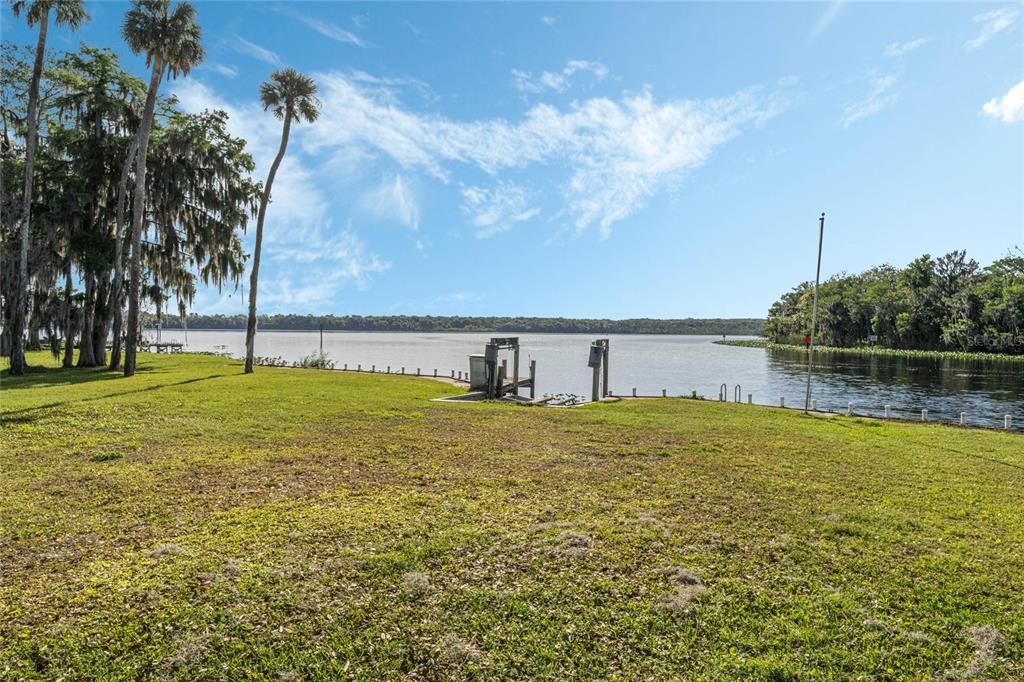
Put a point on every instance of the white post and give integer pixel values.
(963, 419)
(888, 411)
(924, 415)
(782, 401)
(814, 405)
(849, 409)
(1006, 422)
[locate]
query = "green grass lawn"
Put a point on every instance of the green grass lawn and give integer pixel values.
(196, 523)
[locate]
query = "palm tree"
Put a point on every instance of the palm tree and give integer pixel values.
(171, 40)
(289, 94)
(69, 13)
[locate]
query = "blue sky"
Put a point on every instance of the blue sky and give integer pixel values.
(610, 160)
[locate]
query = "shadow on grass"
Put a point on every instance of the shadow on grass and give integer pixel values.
(43, 377)
(6, 417)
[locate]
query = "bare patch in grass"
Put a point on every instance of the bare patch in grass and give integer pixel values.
(453, 649)
(167, 549)
(686, 588)
(988, 643)
(571, 544)
(416, 583)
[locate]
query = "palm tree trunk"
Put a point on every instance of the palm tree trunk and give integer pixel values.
(21, 305)
(86, 357)
(138, 218)
(117, 296)
(101, 326)
(69, 331)
(250, 329)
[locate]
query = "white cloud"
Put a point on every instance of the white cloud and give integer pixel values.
(559, 81)
(880, 96)
(614, 154)
(257, 51)
(298, 229)
(393, 199)
(333, 31)
(1009, 108)
(826, 18)
(492, 211)
(225, 70)
(992, 24)
(548, 20)
(900, 49)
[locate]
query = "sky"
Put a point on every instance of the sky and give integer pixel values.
(608, 160)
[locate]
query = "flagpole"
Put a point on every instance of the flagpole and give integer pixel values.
(814, 313)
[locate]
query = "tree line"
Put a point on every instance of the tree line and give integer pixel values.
(436, 323)
(946, 303)
(126, 198)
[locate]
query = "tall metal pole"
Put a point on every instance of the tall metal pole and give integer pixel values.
(814, 313)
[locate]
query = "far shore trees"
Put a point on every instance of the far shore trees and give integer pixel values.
(69, 13)
(290, 95)
(171, 40)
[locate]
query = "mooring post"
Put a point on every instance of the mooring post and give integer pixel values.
(403, 370)
(595, 387)
(693, 394)
(963, 419)
(814, 405)
(1006, 422)
(501, 379)
(782, 401)
(664, 393)
(453, 374)
(359, 368)
(888, 411)
(634, 391)
(533, 378)
(417, 371)
(346, 366)
(373, 368)
(924, 415)
(389, 369)
(604, 363)
(750, 399)
(849, 409)
(515, 369)
(435, 372)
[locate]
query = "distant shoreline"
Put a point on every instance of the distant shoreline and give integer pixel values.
(877, 351)
(507, 324)
(452, 331)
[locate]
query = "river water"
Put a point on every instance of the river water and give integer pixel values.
(986, 391)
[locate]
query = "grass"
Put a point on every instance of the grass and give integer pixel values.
(196, 523)
(867, 351)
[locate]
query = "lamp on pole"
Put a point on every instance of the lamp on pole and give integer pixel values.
(814, 314)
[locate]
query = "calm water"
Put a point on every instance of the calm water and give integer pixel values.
(680, 364)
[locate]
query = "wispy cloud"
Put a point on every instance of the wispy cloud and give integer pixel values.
(880, 95)
(257, 51)
(497, 210)
(299, 229)
(614, 154)
(225, 70)
(393, 199)
(548, 20)
(992, 24)
(332, 31)
(826, 19)
(1009, 108)
(559, 81)
(900, 49)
